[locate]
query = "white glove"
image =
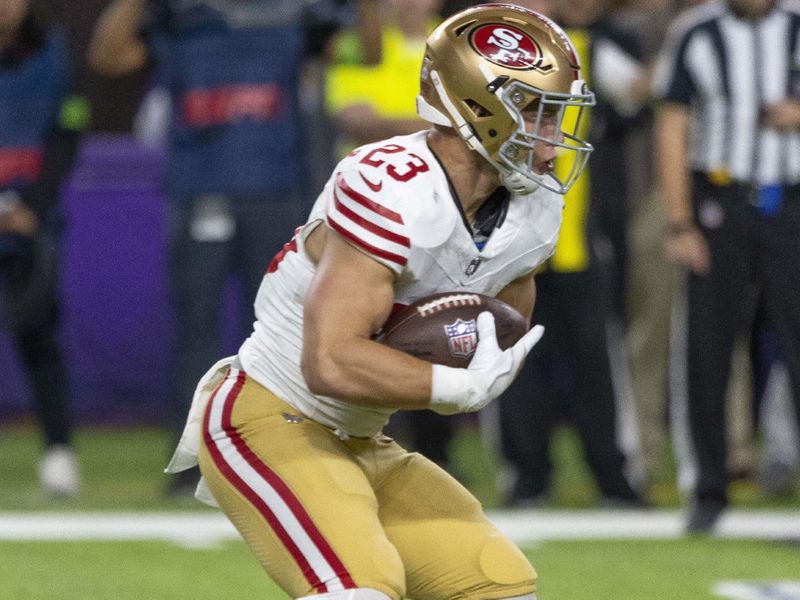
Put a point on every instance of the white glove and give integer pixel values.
(488, 375)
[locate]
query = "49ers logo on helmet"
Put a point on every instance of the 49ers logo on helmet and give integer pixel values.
(506, 46)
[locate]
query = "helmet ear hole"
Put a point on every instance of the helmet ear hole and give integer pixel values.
(478, 109)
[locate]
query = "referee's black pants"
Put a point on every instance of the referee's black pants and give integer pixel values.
(567, 376)
(747, 248)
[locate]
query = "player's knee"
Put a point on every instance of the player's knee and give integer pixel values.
(503, 565)
(357, 594)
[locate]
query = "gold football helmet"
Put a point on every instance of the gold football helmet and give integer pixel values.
(488, 64)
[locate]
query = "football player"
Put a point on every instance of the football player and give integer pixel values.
(289, 430)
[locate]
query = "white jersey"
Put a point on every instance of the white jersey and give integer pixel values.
(392, 201)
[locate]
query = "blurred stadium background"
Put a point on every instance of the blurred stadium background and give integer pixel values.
(121, 539)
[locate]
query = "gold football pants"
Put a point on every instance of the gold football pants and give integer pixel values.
(324, 514)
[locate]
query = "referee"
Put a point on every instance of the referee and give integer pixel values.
(728, 162)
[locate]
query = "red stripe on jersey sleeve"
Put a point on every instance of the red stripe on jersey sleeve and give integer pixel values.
(369, 225)
(366, 202)
(368, 248)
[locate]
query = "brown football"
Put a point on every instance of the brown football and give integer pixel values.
(442, 328)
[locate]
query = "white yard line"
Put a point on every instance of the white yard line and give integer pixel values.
(205, 529)
(764, 590)
(542, 525)
(192, 529)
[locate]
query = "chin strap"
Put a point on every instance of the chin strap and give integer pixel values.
(430, 114)
(517, 182)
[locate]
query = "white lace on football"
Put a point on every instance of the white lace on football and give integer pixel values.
(447, 301)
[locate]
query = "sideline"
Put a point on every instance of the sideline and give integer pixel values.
(194, 529)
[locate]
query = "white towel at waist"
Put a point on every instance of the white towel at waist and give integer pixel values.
(185, 455)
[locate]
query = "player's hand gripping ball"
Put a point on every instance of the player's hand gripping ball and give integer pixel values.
(442, 328)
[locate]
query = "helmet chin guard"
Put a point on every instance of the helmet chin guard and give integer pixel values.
(508, 80)
(516, 182)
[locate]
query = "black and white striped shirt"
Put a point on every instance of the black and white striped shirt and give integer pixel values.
(728, 69)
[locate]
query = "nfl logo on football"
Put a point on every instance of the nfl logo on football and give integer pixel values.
(462, 337)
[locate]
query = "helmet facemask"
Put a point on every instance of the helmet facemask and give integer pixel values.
(553, 119)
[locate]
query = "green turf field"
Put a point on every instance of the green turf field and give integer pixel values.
(575, 570)
(123, 470)
(122, 473)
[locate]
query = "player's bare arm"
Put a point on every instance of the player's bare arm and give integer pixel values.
(521, 294)
(116, 48)
(364, 124)
(349, 299)
(369, 31)
(685, 243)
(783, 115)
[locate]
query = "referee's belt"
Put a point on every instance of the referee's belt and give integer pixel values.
(753, 192)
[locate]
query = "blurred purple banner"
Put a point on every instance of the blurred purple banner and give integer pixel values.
(116, 324)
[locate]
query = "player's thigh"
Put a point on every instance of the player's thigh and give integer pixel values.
(295, 494)
(448, 546)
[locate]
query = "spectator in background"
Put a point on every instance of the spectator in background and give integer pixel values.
(653, 280)
(568, 375)
(369, 103)
(237, 162)
(373, 102)
(728, 141)
(39, 130)
(622, 81)
(649, 277)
